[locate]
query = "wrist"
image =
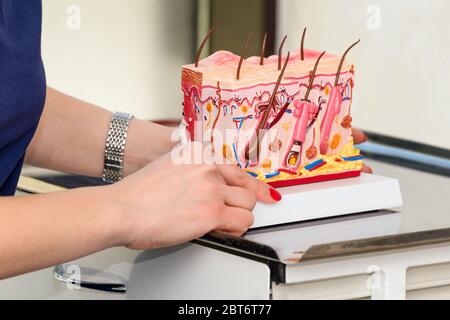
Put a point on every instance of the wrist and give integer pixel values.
(147, 142)
(112, 222)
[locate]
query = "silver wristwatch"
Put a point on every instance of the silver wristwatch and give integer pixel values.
(115, 147)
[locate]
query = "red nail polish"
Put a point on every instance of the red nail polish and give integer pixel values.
(275, 195)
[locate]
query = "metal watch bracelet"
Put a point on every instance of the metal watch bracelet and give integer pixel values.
(115, 147)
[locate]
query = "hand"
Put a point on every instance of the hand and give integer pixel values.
(166, 204)
(360, 137)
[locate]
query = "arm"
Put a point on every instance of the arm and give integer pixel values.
(161, 205)
(72, 133)
(44, 230)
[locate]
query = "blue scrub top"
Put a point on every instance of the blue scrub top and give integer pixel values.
(22, 85)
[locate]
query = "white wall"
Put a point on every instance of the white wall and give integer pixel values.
(403, 68)
(126, 56)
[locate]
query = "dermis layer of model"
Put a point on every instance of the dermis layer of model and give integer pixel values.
(304, 138)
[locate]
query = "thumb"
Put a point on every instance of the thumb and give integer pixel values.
(238, 178)
(266, 193)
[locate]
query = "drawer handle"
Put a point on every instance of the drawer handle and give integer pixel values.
(60, 275)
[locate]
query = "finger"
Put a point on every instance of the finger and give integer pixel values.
(239, 178)
(358, 136)
(366, 169)
(240, 198)
(235, 221)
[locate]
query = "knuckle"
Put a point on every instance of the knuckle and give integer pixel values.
(213, 190)
(242, 178)
(215, 209)
(250, 220)
(243, 230)
(253, 203)
(246, 221)
(210, 169)
(252, 199)
(253, 185)
(212, 214)
(209, 173)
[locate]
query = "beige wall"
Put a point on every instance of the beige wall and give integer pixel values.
(126, 56)
(403, 68)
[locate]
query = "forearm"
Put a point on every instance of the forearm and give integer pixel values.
(44, 230)
(72, 133)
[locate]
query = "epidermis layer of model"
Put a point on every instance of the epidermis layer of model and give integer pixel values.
(304, 140)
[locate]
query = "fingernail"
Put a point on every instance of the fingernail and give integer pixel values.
(275, 195)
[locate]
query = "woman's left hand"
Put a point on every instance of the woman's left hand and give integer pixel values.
(360, 137)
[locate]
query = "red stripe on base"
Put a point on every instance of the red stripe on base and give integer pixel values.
(315, 179)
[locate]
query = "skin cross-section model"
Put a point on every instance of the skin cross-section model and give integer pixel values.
(284, 119)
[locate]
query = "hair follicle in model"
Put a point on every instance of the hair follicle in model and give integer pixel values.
(313, 76)
(263, 50)
(333, 108)
(302, 45)
(244, 51)
(200, 49)
(341, 64)
(305, 112)
(280, 52)
(263, 122)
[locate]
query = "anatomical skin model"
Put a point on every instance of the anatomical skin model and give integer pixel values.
(284, 119)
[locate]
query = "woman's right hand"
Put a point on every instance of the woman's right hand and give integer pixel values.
(166, 204)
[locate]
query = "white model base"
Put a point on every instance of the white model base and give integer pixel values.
(331, 198)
